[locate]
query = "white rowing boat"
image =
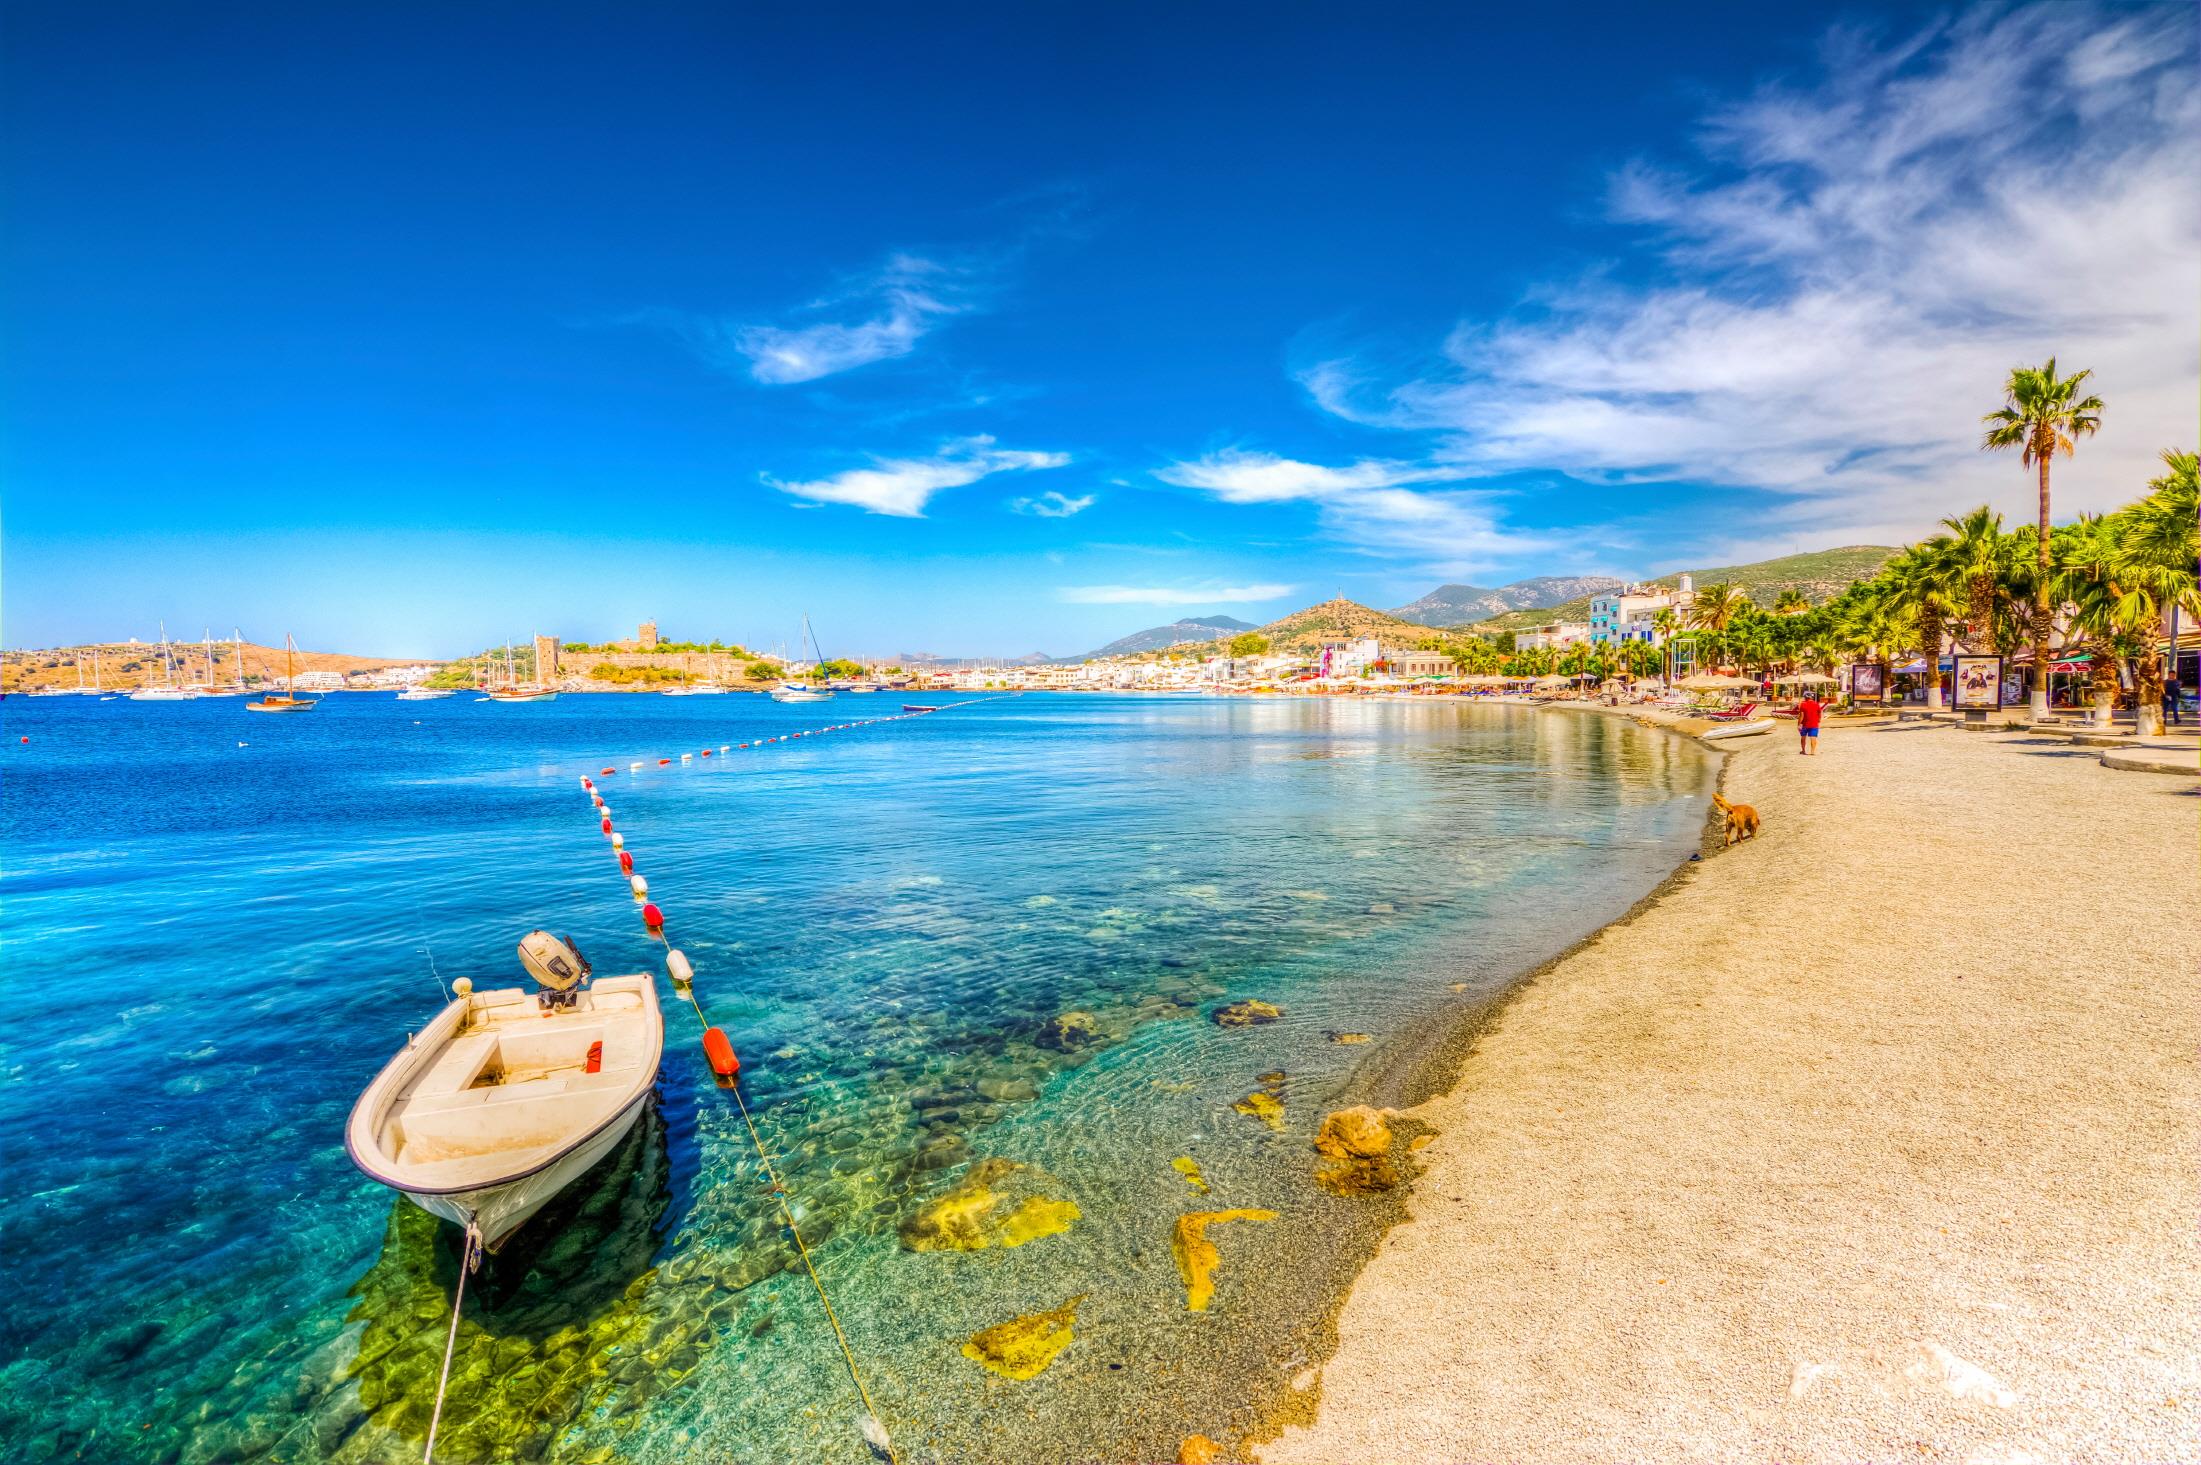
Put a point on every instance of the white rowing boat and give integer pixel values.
(1741, 729)
(507, 1097)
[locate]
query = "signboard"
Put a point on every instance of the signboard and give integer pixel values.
(1978, 683)
(1868, 681)
(2013, 686)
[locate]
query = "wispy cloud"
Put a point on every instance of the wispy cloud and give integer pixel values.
(1053, 505)
(1370, 505)
(1171, 594)
(894, 307)
(1849, 270)
(901, 487)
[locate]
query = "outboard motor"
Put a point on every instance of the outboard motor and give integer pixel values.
(557, 966)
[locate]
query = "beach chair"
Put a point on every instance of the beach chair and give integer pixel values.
(1738, 713)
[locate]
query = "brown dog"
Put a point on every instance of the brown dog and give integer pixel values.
(1742, 820)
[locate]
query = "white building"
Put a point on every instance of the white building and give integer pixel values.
(1557, 636)
(1630, 613)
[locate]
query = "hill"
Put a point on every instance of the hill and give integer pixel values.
(1459, 605)
(125, 665)
(1820, 575)
(1157, 638)
(1338, 620)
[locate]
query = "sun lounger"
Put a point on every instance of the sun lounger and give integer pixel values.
(1739, 713)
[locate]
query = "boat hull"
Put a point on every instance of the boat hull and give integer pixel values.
(497, 1211)
(1740, 729)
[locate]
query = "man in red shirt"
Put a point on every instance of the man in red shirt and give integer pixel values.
(1807, 725)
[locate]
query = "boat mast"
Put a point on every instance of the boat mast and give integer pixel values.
(237, 643)
(290, 667)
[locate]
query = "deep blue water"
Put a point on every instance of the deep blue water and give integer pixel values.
(215, 927)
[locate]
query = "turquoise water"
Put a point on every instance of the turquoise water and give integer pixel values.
(215, 927)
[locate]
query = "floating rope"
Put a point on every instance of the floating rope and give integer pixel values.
(641, 765)
(881, 1439)
(450, 1343)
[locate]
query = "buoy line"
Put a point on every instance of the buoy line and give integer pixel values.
(643, 765)
(718, 1051)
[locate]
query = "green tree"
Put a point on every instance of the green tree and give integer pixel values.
(1979, 553)
(761, 671)
(1790, 602)
(1249, 643)
(1925, 581)
(2042, 415)
(2157, 544)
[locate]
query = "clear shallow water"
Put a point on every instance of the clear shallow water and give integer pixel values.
(212, 947)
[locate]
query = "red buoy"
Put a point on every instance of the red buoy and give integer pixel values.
(607, 826)
(585, 783)
(663, 761)
(652, 917)
(720, 1050)
(707, 752)
(626, 863)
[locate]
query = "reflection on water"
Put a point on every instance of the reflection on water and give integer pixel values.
(970, 963)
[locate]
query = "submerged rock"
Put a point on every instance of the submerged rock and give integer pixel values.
(1263, 1106)
(1023, 1347)
(1070, 1030)
(1348, 1037)
(1188, 1167)
(997, 1203)
(1247, 1013)
(1197, 1257)
(1355, 1145)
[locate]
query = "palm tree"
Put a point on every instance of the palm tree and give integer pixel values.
(2042, 415)
(1791, 602)
(2085, 556)
(1664, 622)
(1714, 610)
(1979, 556)
(2155, 561)
(1924, 580)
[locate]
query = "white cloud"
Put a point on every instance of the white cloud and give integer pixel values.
(901, 487)
(900, 302)
(1053, 505)
(1367, 505)
(1841, 286)
(1172, 594)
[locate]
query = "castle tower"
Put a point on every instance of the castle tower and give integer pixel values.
(546, 659)
(647, 636)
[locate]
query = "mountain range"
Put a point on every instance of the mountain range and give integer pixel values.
(1192, 628)
(1819, 575)
(1460, 605)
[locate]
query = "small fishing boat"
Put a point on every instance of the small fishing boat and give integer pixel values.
(424, 694)
(919, 707)
(506, 1098)
(288, 700)
(797, 692)
(1741, 729)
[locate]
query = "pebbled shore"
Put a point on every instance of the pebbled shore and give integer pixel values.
(1878, 1137)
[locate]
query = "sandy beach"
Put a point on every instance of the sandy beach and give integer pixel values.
(1876, 1138)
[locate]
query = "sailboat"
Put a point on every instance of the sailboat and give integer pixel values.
(704, 688)
(801, 691)
(423, 694)
(513, 691)
(167, 691)
(288, 700)
(208, 687)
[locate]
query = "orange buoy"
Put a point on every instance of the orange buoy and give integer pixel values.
(720, 1050)
(652, 917)
(663, 761)
(609, 772)
(626, 863)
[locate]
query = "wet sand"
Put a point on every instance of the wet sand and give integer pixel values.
(1877, 1137)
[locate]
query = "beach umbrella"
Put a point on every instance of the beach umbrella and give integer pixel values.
(1553, 681)
(1705, 681)
(1805, 679)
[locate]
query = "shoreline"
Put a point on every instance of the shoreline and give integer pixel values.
(1377, 1393)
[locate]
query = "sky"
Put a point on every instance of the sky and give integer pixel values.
(991, 330)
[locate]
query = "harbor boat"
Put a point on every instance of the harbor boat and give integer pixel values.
(506, 1098)
(704, 688)
(1740, 729)
(167, 691)
(792, 691)
(288, 699)
(208, 687)
(423, 694)
(920, 707)
(515, 691)
(859, 688)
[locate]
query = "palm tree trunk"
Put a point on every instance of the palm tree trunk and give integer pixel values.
(2042, 613)
(1930, 628)
(2103, 679)
(2147, 691)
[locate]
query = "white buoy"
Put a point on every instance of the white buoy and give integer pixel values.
(603, 810)
(687, 757)
(640, 886)
(676, 967)
(463, 986)
(618, 841)
(634, 768)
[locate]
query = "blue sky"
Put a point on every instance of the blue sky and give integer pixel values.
(987, 331)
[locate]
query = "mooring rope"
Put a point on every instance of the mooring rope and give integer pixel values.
(450, 1342)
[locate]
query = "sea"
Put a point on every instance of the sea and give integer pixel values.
(971, 960)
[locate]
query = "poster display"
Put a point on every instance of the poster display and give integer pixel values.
(1978, 683)
(1868, 681)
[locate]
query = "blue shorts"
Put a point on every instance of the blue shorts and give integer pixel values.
(1809, 732)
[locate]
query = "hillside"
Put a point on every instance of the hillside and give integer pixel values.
(1338, 620)
(125, 665)
(1820, 575)
(1157, 638)
(1459, 605)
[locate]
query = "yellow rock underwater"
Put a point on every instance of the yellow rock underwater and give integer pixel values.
(1023, 1347)
(1197, 1258)
(1263, 1106)
(1188, 1167)
(981, 1211)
